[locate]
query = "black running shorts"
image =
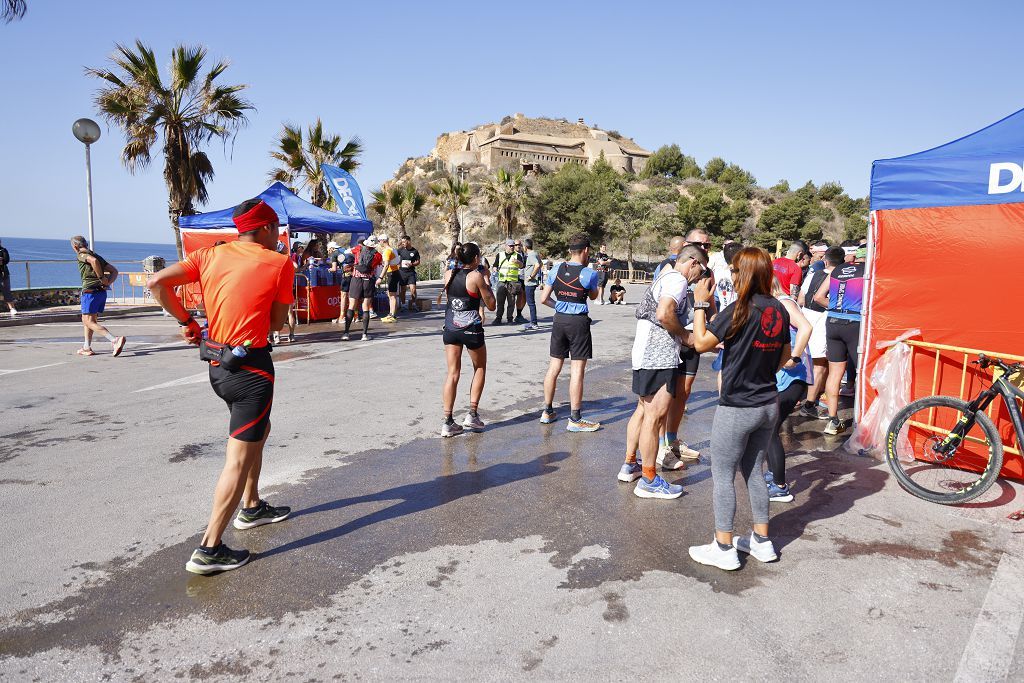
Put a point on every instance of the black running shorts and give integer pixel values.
(650, 382)
(361, 288)
(842, 338)
(346, 283)
(570, 337)
(249, 393)
(472, 336)
(407, 277)
(394, 282)
(689, 361)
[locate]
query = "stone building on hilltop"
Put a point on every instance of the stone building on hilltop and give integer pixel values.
(538, 145)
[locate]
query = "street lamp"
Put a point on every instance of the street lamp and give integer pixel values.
(463, 173)
(87, 133)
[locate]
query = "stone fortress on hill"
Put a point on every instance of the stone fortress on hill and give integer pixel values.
(537, 145)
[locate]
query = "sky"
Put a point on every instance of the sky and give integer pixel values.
(795, 90)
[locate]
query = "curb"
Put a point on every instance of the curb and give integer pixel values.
(71, 316)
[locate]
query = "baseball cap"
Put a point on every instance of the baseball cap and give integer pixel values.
(333, 245)
(383, 237)
(370, 241)
(510, 243)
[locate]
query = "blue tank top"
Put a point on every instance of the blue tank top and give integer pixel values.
(804, 372)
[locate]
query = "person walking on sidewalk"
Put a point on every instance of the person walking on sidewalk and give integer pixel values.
(247, 288)
(408, 261)
(5, 281)
(366, 268)
(97, 276)
(755, 330)
(507, 265)
(531, 278)
(573, 283)
(468, 290)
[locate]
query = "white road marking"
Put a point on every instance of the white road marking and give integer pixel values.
(195, 379)
(989, 650)
(37, 367)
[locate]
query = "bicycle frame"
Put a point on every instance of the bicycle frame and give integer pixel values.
(1000, 387)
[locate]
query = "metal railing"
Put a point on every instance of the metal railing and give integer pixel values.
(41, 264)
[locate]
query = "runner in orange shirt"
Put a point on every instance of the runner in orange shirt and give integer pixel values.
(247, 289)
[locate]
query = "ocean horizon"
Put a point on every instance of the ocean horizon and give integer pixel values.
(127, 256)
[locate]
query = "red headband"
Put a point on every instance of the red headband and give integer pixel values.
(255, 218)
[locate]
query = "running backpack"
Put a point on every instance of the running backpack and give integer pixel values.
(364, 264)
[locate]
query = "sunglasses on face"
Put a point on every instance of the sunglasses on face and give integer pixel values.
(702, 245)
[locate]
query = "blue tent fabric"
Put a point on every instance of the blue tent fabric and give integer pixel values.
(298, 214)
(985, 167)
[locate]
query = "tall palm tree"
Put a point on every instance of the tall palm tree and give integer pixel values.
(188, 111)
(449, 196)
(300, 158)
(507, 192)
(12, 9)
(400, 202)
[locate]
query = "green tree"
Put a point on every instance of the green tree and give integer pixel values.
(188, 111)
(703, 209)
(450, 195)
(781, 186)
(399, 203)
(12, 9)
(575, 199)
(714, 169)
(507, 194)
(850, 207)
(300, 158)
(642, 216)
(829, 191)
(737, 190)
(668, 161)
(734, 175)
(855, 228)
(733, 217)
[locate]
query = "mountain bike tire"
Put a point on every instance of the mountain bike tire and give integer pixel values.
(968, 492)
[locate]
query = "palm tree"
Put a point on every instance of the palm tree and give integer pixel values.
(300, 160)
(188, 111)
(399, 203)
(449, 196)
(12, 9)
(507, 192)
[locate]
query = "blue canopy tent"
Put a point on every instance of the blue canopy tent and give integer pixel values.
(295, 213)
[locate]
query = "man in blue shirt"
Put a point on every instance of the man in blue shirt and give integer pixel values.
(573, 283)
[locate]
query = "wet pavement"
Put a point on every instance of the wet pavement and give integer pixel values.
(509, 553)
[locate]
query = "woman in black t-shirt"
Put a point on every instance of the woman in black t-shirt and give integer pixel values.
(755, 332)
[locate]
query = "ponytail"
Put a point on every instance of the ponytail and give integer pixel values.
(464, 254)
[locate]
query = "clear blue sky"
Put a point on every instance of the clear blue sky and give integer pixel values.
(795, 90)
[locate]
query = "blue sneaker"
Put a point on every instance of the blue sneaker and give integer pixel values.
(779, 494)
(630, 471)
(657, 488)
(769, 478)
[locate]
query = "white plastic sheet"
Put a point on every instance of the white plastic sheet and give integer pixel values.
(891, 378)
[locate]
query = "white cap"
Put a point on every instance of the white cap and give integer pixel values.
(370, 241)
(383, 237)
(333, 245)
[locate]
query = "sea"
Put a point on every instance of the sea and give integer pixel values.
(127, 256)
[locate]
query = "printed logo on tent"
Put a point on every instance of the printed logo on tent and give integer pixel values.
(1004, 177)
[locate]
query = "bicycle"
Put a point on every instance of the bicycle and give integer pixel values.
(943, 464)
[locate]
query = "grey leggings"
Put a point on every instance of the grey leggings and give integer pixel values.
(740, 437)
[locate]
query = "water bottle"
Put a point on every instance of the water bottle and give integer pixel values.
(241, 351)
(206, 330)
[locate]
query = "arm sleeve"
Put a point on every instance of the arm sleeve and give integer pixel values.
(285, 293)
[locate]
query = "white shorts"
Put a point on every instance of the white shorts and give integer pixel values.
(817, 343)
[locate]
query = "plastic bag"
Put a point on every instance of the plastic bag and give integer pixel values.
(891, 378)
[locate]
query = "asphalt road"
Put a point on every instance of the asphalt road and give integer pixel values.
(513, 553)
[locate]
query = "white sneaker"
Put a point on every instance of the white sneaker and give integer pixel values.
(685, 452)
(669, 460)
(449, 430)
(276, 338)
(473, 423)
(366, 337)
(765, 552)
(714, 556)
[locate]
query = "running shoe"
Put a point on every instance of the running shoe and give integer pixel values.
(835, 426)
(119, 343)
(345, 337)
(449, 429)
(520, 319)
(657, 488)
(389, 319)
(779, 494)
(713, 556)
(769, 477)
(265, 513)
(275, 338)
(848, 390)
(582, 425)
(759, 550)
(548, 416)
(630, 471)
(685, 452)
(813, 411)
(366, 337)
(373, 314)
(473, 423)
(220, 559)
(497, 322)
(668, 460)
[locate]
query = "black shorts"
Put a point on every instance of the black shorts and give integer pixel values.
(394, 281)
(472, 337)
(407, 277)
(570, 337)
(602, 278)
(650, 382)
(249, 393)
(689, 361)
(842, 337)
(346, 283)
(361, 288)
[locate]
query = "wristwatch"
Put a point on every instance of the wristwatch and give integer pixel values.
(186, 323)
(796, 359)
(701, 305)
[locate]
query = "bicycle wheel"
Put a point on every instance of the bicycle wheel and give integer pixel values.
(962, 474)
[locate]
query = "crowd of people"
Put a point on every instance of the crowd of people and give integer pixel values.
(783, 333)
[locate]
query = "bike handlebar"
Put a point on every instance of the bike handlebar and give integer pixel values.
(985, 362)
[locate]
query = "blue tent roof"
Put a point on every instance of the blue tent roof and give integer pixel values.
(985, 167)
(298, 214)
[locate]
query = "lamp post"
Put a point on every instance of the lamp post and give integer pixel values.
(87, 133)
(463, 173)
